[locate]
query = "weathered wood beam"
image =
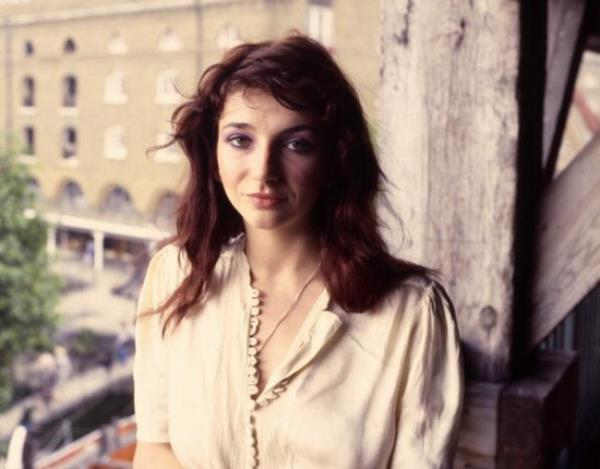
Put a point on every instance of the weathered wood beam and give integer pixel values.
(449, 138)
(536, 413)
(567, 34)
(569, 242)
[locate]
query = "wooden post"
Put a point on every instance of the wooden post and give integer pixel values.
(449, 119)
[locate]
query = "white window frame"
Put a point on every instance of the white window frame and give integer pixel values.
(321, 23)
(115, 144)
(227, 37)
(114, 88)
(166, 87)
(117, 45)
(169, 41)
(170, 154)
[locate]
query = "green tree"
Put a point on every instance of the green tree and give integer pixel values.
(28, 290)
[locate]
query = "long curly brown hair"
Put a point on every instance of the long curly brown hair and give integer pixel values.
(301, 75)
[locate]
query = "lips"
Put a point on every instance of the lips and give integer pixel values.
(262, 200)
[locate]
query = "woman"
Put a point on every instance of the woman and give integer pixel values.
(275, 330)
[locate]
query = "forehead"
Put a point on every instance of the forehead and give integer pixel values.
(256, 107)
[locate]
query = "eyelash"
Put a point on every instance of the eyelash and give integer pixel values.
(306, 145)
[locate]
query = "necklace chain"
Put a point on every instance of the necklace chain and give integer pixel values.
(288, 309)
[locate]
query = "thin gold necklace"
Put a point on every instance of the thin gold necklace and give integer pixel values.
(288, 309)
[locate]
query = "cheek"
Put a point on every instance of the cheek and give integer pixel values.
(310, 181)
(227, 168)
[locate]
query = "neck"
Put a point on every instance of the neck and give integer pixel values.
(275, 254)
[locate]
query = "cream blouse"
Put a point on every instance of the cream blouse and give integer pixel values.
(380, 389)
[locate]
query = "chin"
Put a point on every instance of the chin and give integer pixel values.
(271, 223)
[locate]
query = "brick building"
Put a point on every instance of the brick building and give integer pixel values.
(87, 86)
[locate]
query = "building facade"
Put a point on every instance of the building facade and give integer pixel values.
(88, 86)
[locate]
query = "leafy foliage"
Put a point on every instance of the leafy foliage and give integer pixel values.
(28, 290)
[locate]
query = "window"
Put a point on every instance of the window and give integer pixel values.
(28, 92)
(69, 91)
(168, 154)
(118, 203)
(29, 138)
(116, 44)
(69, 47)
(34, 188)
(114, 88)
(169, 41)
(69, 143)
(114, 143)
(228, 37)
(165, 211)
(72, 197)
(166, 86)
(28, 48)
(320, 23)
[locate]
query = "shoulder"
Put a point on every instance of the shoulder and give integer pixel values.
(422, 294)
(172, 262)
(420, 305)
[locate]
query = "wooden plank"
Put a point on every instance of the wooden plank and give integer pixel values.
(566, 41)
(537, 413)
(449, 128)
(569, 242)
(478, 430)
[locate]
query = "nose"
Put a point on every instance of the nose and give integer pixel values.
(266, 167)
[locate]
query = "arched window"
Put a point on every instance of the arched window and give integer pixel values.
(228, 37)
(69, 143)
(118, 203)
(29, 140)
(114, 88)
(69, 91)
(114, 143)
(33, 186)
(169, 41)
(28, 48)
(168, 154)
(165, 211)
(72, 197)
(28, 92)
(166, 86)
(69, 46)
(116, 44)
(320, 23)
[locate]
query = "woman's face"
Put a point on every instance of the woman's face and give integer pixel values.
(269, 161)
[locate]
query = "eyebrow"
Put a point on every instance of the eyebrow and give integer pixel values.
(295, 128)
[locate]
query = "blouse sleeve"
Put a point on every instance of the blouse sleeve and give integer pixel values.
(149, 370)
(430, 400)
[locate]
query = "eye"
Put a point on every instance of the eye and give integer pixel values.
(239, 141)
(299, 145)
